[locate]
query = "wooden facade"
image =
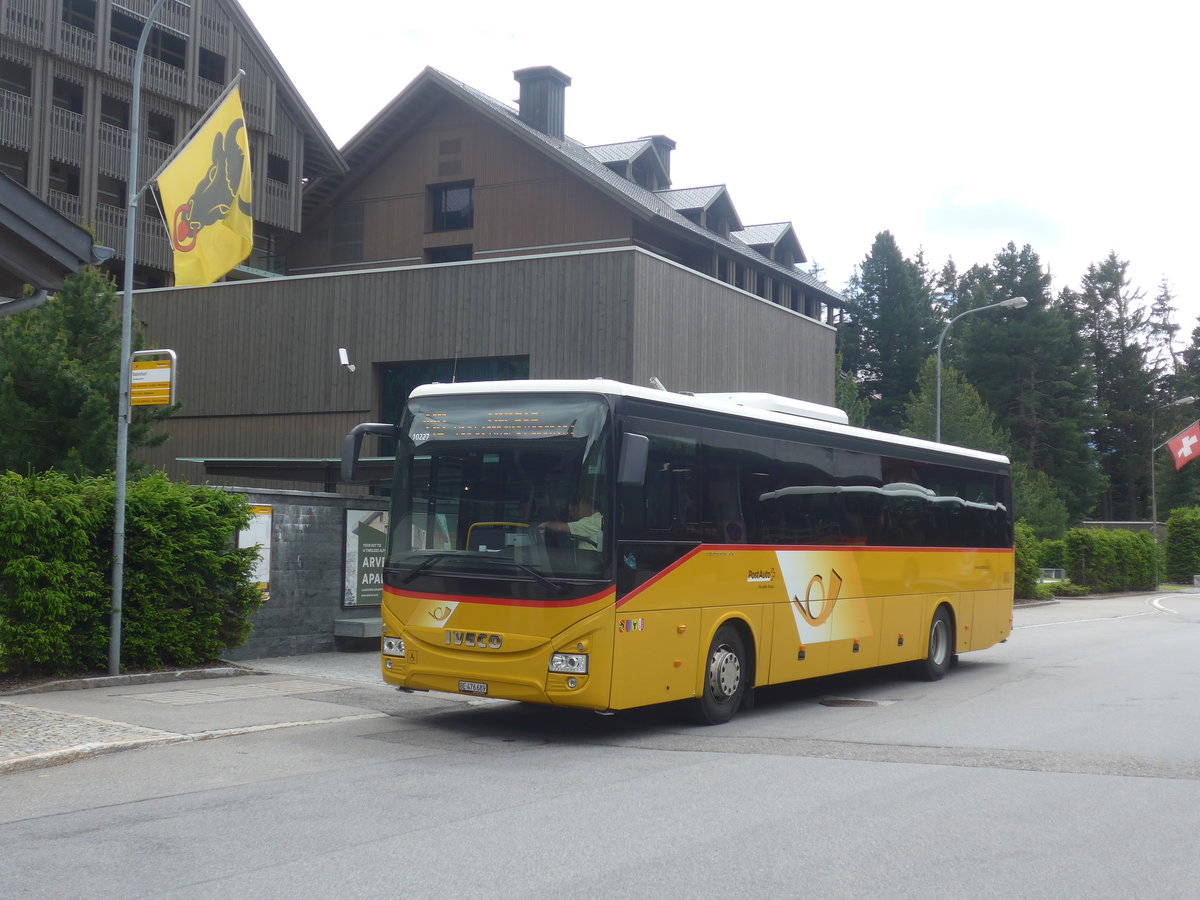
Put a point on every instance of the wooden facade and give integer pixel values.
(258, 361)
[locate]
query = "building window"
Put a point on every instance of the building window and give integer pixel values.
(64, 178)
(110, 191)
(16, 78)
(162, 45)
(68, 95)
(211, 65)
(114, 112)
(346, 239)
(80, 13)
(278, 168)
(160, 127)
(452, 206)
(15, 164)
(455, 253)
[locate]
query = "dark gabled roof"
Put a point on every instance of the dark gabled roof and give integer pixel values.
(412, 104)
(771, 236)
(320, 153)
(38, 246)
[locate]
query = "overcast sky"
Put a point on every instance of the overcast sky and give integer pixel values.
(958, 126)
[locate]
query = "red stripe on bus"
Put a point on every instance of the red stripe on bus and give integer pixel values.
(497, 601)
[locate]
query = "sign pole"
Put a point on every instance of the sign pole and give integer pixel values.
(123, 405)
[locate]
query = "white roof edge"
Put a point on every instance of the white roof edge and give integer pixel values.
(688, 401)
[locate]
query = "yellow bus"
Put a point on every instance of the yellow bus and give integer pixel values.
(588, 543)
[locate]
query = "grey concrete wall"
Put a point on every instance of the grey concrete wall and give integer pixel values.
(306, 578)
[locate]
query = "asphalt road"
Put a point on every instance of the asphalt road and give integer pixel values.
(1064, 763)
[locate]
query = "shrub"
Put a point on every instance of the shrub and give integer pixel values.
(1052, 555)
(1111, 560)
(1183, 545)
(188, 590)
(1025, 586)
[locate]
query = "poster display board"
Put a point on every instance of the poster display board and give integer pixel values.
(365, 549)
(258, 534)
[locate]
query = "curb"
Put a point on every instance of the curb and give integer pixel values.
(100, 681)
(46, 758)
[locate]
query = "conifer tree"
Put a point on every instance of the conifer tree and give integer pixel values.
(59, 381)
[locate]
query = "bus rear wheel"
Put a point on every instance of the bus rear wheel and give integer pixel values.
(940, 652)
(726, 677)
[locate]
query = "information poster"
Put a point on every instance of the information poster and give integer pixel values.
(258, 534)
(366, 547)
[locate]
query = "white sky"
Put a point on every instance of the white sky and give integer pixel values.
(958, 126)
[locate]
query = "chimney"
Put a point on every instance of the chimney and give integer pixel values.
(663, 146)
(543, 90)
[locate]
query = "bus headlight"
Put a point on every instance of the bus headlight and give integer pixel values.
(571, 663)
(393, 646)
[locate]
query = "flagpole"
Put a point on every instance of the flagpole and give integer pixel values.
(123, 406)
(182, 145)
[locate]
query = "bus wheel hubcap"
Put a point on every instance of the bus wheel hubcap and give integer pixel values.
(724, 673)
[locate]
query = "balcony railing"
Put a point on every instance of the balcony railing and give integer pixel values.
(113, 158)
(157, 76)
(15, 116)
(68, 204)
(150, 247)
(77, 45)
(24, 21)
(278, 206)
(66, 135)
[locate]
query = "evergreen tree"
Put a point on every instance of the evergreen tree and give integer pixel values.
(59, 382)
(1115, 327)
(1030, 369)
(847, 397)
(966, 420)
(889, 329)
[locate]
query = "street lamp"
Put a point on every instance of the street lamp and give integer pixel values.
(1010, 303)
(1182, 401)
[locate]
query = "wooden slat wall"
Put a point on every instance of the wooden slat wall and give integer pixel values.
(258, 364)
(712, 337)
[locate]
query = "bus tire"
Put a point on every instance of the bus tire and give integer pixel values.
(939, 653)
(726, 677)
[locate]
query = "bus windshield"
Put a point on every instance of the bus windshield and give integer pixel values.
(503, 487)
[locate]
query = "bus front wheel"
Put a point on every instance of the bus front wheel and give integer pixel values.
(726, 677)
(940, 652)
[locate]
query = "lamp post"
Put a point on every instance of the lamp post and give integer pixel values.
(1010, 303)
(1182, 401)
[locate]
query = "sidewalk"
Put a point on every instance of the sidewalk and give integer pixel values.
(86, 717)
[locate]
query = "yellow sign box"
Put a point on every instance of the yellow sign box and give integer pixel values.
(152, 381)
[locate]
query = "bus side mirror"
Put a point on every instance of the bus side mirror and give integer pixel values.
(352, 446)
(635, 450)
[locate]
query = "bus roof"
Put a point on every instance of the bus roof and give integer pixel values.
(726, 404)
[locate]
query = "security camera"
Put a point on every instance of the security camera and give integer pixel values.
(344, 358)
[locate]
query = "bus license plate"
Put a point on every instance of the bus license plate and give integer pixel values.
(472, 687)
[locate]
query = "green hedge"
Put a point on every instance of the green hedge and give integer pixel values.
(1183, 545)
(188, 590)
(1025, 549)
(1052, 555)
(1109, 561)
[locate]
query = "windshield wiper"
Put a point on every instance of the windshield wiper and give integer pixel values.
(423, 565)
(541, 579)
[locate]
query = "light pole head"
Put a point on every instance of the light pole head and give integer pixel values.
(1183, 401)
(1013, 303)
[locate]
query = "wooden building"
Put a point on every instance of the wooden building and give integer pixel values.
(468, 240)
(66, 69)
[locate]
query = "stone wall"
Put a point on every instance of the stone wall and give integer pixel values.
(306, 575)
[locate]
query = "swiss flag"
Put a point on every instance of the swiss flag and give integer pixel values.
(1185, 446)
